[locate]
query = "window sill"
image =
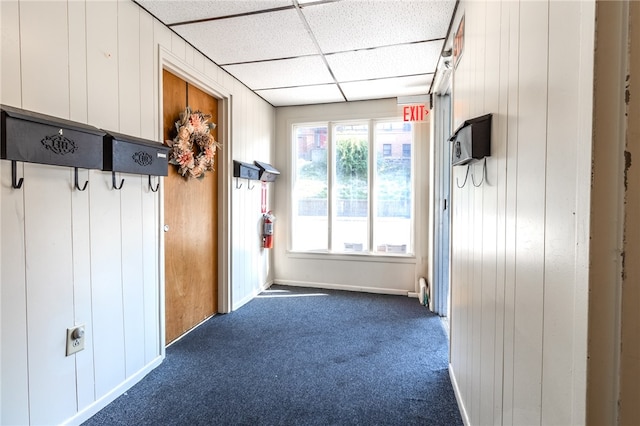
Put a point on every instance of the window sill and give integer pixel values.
(353, 257)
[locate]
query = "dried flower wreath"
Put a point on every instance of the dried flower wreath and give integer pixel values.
(193, 149)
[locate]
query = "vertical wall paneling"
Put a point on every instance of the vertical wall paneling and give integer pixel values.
(518, 306)
(102, 64)
(106, 283)
(583, 210)
(45, 59)
(148, 116)
(513, 93)
(178, 46)
(151, 239)
(129, 92)
(499, 149)
(15, 374)
(77, 62)
(131, 196)
(530, 210)
(489, 188)
(10, 63)
(559, 280)
(14, 408)
(81, 234)
(48, 243)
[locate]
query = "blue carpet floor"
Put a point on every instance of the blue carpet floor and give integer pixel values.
(295, 356)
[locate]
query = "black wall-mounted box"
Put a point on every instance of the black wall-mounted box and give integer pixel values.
(471, 141)
(268, 173)
(38, 138)
(245, 170)
(129, 154)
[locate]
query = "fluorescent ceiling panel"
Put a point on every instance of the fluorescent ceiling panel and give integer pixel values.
(391, 61)
(351, 25)
(272, 35)
(387, 87)
(306, 70)
(306, 95)
(173, 11)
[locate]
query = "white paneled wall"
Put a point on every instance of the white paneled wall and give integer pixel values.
(94, 257)
(517, 318)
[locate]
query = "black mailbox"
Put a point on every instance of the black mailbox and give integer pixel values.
(245, 170)
(268, 173)
(129, 154)
(472, 140)
(38, 138)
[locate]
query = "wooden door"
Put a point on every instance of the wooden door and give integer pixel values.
(191, 213)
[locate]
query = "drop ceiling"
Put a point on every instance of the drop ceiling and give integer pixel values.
(298, 52)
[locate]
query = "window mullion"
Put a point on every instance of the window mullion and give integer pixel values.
(330, 182)
(371, 181)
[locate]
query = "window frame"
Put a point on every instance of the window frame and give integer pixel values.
(370, 252)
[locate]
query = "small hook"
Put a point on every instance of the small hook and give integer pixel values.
(77, 185)
(484, 172)
(238, 186)
(151, 186)
(466, 176)
(113, 181)
(15, 184)
(250, 187)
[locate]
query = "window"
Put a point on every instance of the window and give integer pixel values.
(350, 193)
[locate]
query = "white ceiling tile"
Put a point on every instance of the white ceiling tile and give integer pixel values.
(321, 94)
(258, 37)
(357, 24)
(387, 88)
(399, 60)
(306, 70)
(173, 11)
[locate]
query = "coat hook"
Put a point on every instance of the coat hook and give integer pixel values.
(14, 172)
(250, 187)
(484, 172)
(466, 176)
(151, 186)
(113, 181)
(238, 186)
(77, 185)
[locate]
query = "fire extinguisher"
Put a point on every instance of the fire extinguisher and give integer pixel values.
(267, 229)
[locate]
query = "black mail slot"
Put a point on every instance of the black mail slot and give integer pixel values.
(472, 140)
(129, 154)
(37, 138)
(268, 173)
(245, 170)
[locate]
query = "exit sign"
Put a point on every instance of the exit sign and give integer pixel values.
(414, 112)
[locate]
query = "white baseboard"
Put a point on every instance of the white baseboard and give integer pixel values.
(89, 411)
(345, 287)
(248, 298)
(456, 391)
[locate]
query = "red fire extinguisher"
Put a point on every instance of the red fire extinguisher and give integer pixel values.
(267, 229)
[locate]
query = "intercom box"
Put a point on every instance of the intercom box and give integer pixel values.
(471, 141)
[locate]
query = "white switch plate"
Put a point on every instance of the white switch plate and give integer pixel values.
(75, 344)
